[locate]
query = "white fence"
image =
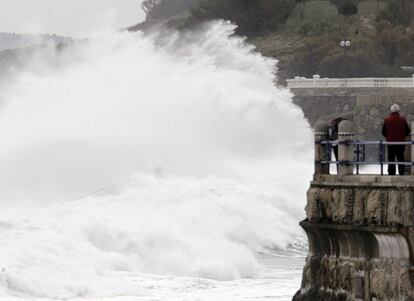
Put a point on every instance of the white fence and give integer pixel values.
(404, 82)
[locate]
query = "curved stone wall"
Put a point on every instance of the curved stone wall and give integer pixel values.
(360, 232)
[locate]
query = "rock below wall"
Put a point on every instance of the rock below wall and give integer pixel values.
(354, 279)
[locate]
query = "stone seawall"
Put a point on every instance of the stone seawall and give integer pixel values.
(361, 238)
(367, 106)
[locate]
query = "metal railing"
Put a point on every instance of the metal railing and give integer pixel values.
(360, 157)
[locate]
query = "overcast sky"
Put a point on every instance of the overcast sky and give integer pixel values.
(77, 18)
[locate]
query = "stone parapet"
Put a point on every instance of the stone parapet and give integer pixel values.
(382, 203)
(361, 238)
(349, 83)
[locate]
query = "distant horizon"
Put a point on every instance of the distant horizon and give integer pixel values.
(35, 34)
(68, 18)
(10, 41)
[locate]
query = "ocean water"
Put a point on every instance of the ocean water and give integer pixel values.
(158, 166)
(279, 284)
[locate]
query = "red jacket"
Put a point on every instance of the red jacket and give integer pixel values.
(395, 128)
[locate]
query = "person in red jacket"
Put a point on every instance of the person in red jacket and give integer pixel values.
(395, 129)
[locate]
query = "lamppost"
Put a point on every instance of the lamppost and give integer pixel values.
(345, 44)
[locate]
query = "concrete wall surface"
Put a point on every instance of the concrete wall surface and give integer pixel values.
(366, 106)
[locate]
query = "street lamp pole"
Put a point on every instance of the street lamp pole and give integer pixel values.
(345, 44)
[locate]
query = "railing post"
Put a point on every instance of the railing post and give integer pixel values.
(358, 154)
(345, 152)
(407, 155)
(412, 146)
(321, 134)
(381, 155)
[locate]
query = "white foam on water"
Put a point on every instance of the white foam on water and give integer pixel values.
(162, 154)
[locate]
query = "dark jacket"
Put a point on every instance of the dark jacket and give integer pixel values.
(333, 128)
(395, 128)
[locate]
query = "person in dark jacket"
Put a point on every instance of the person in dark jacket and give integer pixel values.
(333, 133)
(395, 129)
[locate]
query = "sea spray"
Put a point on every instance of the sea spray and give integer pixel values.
(198, 160)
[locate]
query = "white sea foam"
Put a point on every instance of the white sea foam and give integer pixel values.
(200, 162)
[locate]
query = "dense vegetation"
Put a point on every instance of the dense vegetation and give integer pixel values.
(252, 17)
(161, 9)
(305, 34)
(380, 46)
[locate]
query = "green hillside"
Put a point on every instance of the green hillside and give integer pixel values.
(305, 35)
(314, 25)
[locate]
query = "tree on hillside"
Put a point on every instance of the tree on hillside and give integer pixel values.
(252, 17)
(398, 12)
(397, 47)
(160, 9)
(346, 7)
(149, 5)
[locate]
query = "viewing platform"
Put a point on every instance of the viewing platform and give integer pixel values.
(366, 101)
(360, 227)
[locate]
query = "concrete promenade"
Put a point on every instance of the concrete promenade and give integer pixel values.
(374, 82)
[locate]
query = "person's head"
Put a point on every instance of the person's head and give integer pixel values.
(395, 108)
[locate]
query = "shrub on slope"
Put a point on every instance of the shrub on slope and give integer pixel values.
(252, 17)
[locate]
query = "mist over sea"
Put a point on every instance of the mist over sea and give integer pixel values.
(159, 166)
